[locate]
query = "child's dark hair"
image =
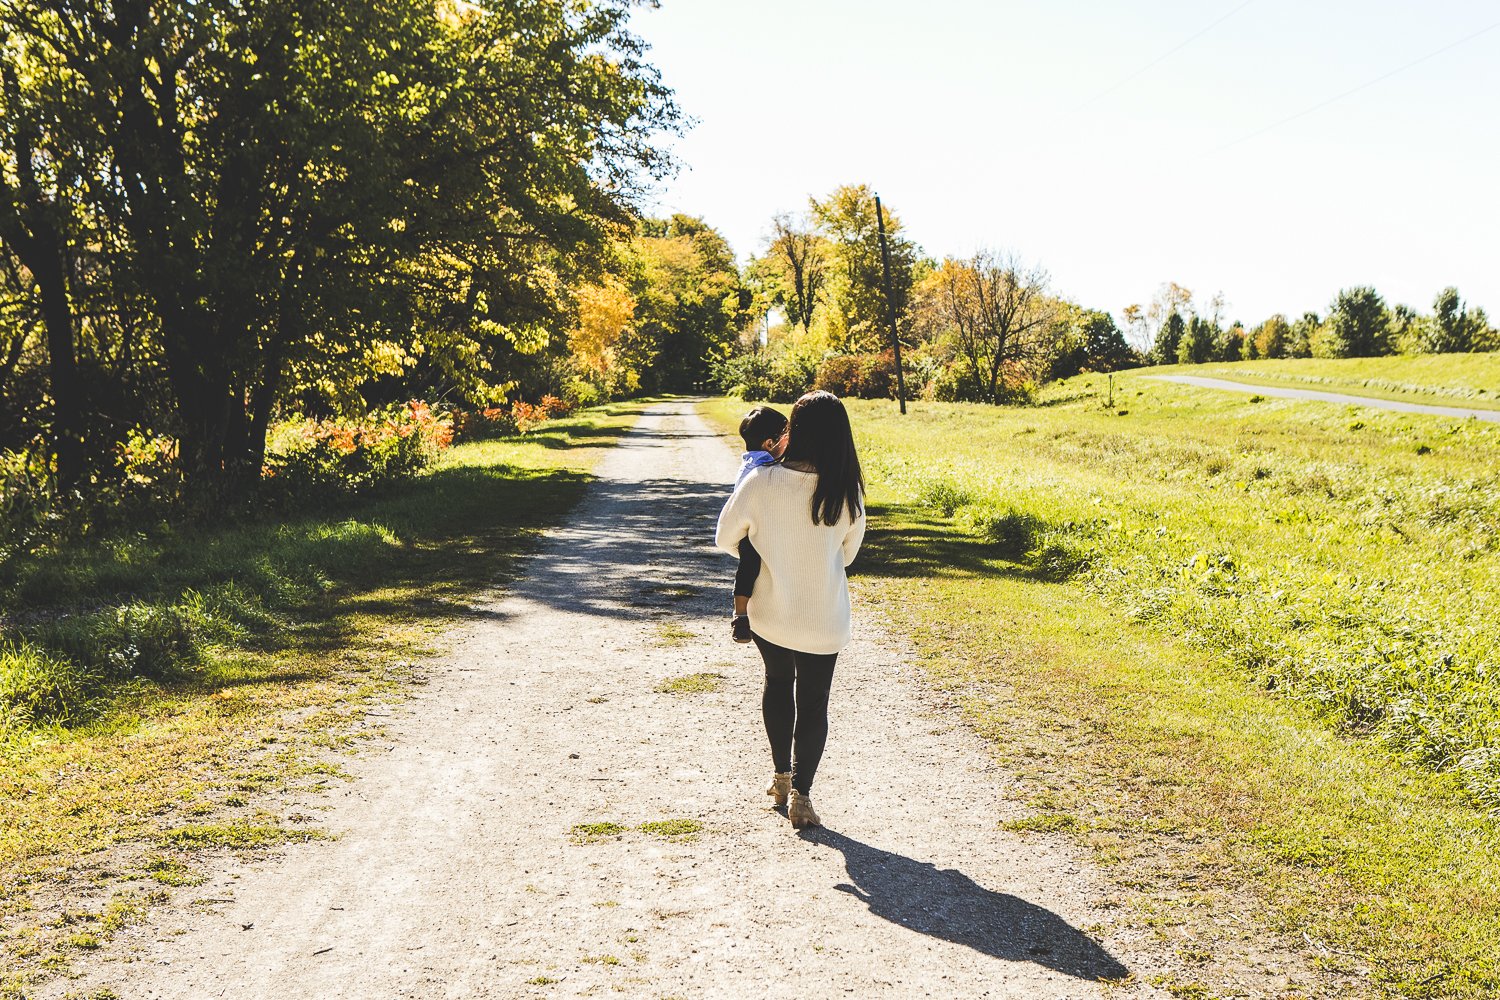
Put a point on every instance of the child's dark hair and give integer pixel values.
(759, 424)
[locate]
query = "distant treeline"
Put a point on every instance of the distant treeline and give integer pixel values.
(1359, 324)
(988, 328)
(984, 327)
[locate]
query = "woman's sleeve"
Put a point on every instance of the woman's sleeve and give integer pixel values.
(734, 521)
(853, 537)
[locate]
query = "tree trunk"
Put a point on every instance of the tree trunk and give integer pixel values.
(200, 386)
(62, 364)
(38, 245)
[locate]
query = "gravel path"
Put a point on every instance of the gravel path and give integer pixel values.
(457, 870)
(1281, 392)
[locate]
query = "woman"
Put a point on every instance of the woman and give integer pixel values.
(806, 518)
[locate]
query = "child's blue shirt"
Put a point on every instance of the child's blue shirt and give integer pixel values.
(753, 460)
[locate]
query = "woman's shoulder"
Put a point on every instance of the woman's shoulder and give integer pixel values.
(767, 483)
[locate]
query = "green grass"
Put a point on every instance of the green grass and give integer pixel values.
(1471, 381)
(672, 829)
(1041, 823)
(158, 688)
(1242, 645)
(234, 836)
(593, 833)
(672, 634)
(702, 683)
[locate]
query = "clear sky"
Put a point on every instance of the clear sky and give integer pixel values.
(1071, 132)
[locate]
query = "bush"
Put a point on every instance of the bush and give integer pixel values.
(1015, 532)
(310, 459)
(132, 640)
(478, 425)
(771, 375)
(582, 393)
(960, 383)
(36, 688)
(866, 376)
(554, 406)
(944, 496)
(922, 366)
(29, 512)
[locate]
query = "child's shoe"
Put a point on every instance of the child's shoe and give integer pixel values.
(801, 812)
(781, 787)
(741, 627)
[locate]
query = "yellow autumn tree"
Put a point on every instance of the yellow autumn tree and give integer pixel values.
(605, 313)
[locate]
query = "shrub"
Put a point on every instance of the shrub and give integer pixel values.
(582, 393)
(554, 406)
(478, 425)
(838, 374)
(309, 459)
(37, 688)
(770, 375)
(960, 383)
(866, 376)
(944, 496)
(132, 640)
(1013, 530)
(29, 511)
(527, 416)
(922, 366)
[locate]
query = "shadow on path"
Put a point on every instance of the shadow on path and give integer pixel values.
(947, 904)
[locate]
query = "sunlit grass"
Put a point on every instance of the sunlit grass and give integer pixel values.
(1470, 381)
(1233, 646)
(701, 683)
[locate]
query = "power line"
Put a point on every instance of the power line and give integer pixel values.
(1164, 56)
(1354, 90)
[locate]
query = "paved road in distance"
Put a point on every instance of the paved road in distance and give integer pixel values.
(1331, 397)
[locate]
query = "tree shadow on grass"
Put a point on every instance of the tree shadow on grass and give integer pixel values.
(904, 540)
(949, 905)
(300, 589)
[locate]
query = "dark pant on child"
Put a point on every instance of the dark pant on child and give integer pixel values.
(795, 707)
(744, 577)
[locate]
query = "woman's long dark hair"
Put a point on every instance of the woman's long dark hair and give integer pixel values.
(819, 435)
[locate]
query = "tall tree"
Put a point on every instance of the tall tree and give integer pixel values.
(39, 175)
(1303, 333)
(1139, 327)
(802, 256)
(1272, 338)
(1197, 344)
(687, 300)
(1171, 299)
(847, 218)
(1104, 345)
(1453, 327)
(1168, 340)
(1358, 325)
(1001, 318)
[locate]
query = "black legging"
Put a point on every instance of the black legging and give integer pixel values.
(795, 707)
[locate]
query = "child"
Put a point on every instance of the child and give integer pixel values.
(764, 434)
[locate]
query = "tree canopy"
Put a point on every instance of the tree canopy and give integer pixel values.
(234, 206)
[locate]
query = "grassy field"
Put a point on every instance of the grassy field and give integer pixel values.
(261, 648)
(1465, 380)
(1237, 647)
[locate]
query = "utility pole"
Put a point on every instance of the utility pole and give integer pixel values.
(890, 302)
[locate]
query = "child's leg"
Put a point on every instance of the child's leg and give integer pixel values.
(744, 577)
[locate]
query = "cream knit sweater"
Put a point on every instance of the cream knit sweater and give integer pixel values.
(801, 598)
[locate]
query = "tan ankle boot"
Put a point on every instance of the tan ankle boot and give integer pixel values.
(800, 811)
(780, 787)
